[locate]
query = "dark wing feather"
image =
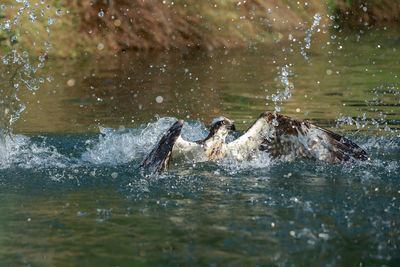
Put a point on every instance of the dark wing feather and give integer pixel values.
(159, 158)
(302, 138)
(284, 136)
(347, 148)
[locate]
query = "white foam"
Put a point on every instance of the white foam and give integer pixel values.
(113, 147)
(259, 160)
(122, 146)
(20, 151)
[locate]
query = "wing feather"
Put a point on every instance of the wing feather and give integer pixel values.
(247, 144)
(285, 137)
(160, 156)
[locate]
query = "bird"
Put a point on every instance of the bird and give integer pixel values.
(171, 144)
(280, 136)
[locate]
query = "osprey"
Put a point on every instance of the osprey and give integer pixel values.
(213, 147)
(280, 136)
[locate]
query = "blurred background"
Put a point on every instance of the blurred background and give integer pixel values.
(109, 26)
(123, 63)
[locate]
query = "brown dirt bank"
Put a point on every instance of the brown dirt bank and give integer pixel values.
(108, 26)
(157, 24)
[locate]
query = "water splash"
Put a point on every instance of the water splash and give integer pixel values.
(111, 148)
(20, 151)
(309, 33)
(122, 146)
(259, 162)
(382, 122)
(20, 67)
(285, 93)
(285, 72)
(122, 150)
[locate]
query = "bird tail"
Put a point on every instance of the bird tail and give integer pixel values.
(159, 158)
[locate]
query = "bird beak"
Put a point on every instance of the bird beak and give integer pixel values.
(232, 127)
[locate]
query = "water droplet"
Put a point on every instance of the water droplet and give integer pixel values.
(7, 25)
(159, 99)
(100, 46)
(80, 213)
(323, 236)
(117, 23)
(101, 13)
(32, 17)
(71, 82)
(50, 20)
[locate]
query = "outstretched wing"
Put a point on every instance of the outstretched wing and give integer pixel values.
(159, 158)
(247, 144)
(282, 136)
(337, 148)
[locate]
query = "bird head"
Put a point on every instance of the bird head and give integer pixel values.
(221, 126)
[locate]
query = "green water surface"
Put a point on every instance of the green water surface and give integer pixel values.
(70, 196)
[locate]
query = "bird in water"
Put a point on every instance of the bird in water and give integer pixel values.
(278, 135)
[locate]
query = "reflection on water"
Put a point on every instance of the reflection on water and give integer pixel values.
(347, 78)
(72, 195)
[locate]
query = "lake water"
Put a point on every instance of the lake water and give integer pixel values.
(71, 192)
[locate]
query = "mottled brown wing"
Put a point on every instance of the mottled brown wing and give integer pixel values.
(345, 147)
(298, 138)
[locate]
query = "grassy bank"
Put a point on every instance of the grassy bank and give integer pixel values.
(106, 27)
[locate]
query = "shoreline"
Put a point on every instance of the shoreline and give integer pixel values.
(83, 28)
